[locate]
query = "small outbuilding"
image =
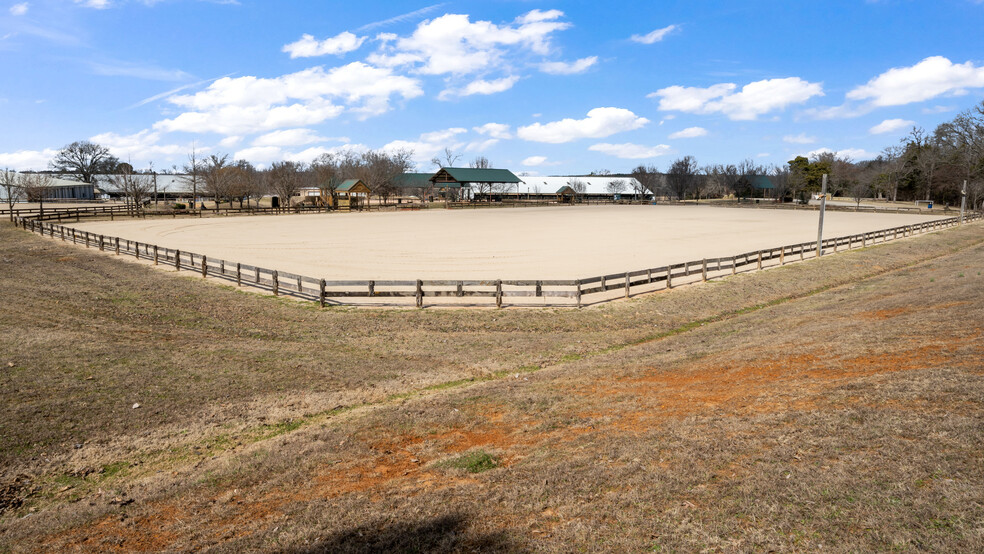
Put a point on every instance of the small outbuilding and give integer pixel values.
(352, 194)
(566, 195)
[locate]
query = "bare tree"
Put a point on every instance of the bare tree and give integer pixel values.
(84, 160)
(927, 156)
(244, 182)
(36, 187)
(380, 170)
(480, 162)
(859, 190)
(285, 179)
(447, 159)
(896, 167)
(578, 186)
(11, 187)
(135, 188)
(780, 178)
(329, 171)
(616, 186)
(681, 176)
(193, 170)
(217, 178)
(649, 178)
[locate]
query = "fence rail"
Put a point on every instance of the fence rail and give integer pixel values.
(543, 292)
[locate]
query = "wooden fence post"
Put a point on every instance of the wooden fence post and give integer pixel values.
(177, 260)
(155, 255)
(102, 239)
(204, 267)
(864, 240)
(420, 293)
(760, 260)
(539, 288)
(372, 288)
(627, 284)
(782, 256)
(63, 234)
(321, 294)
(276, 283)
(136, 250)
(577, 294)
(669, 277)
(498, 293)
(239, 274)
(734, 265)
(117, 246)
(703, 270)
(460, 289)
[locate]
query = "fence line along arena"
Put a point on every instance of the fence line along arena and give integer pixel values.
(534, 243)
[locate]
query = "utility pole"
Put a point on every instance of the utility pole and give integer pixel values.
(963, 201)
(823, 206)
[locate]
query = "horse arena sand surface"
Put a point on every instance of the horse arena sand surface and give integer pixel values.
(524, 243)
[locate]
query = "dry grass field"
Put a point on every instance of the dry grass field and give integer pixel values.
(834, 404)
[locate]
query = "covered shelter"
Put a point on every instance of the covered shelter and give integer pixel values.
(566, 195)
(418, 184)
(451, 180)
(352, 194)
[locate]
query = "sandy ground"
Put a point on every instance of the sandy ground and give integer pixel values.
(529, 243)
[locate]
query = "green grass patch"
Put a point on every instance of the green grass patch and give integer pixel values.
(473, 462)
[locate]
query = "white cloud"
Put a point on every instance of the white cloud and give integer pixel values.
(138, 147)
(689, 132)
(288, 137)
(600, 123)
(565, 68)
(763, 155)
(263, 156)
(245, 105)
(481, 145)
(932, 77)
(97, 4)
(230, 142)
(116, 68)
(19, 9)
(452, 44)
(890, 125)
(494, 130)
(27, 159)
(938, 109)
(430, 144)
(308, 46)
(629, 151)
(753, 100)
(534, 161)
(801, 138)
(481, 86)
(400, 18)
(655, 36)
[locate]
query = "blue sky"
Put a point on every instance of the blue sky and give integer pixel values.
(540, 87)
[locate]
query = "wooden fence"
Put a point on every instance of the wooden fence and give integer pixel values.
(572, 292)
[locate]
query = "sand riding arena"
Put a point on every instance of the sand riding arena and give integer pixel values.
(532, 256)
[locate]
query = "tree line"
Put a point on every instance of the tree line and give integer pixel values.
(922, 166)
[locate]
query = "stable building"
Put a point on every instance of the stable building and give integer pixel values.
(461, 182)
